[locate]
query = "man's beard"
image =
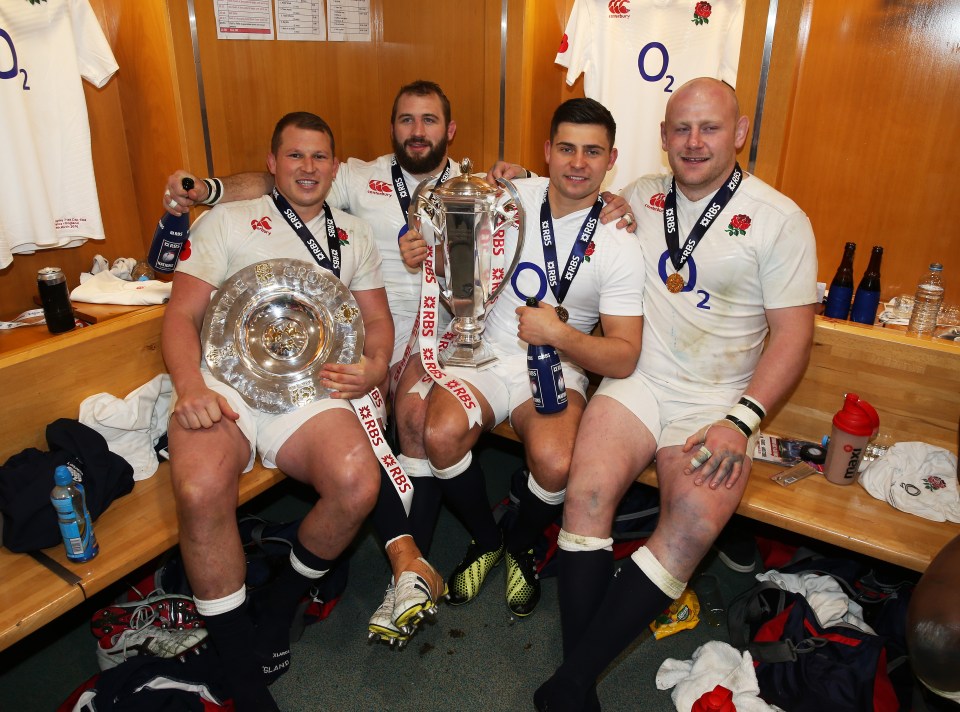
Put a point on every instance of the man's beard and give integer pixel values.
(428, 163)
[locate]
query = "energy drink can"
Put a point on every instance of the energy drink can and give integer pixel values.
(55, 299)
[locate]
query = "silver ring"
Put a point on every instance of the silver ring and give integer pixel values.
(173, 204)
(703, 454)
(629, 219)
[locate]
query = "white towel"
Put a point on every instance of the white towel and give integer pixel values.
(917, 478)
(132, 426)
(713, 663)
(825, 596)
(107, 288)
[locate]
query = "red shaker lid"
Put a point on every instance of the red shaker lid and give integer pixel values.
(719, 699)
(857, 417)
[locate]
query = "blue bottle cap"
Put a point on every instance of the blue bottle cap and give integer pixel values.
(62, 476)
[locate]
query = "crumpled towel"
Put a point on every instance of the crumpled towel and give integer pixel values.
(132, 426)
(107, 288)
(713, 663)
(917, 478)
(825, 596)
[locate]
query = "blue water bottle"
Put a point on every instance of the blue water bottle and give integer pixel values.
(76, 527)
(546, 375)
(169, 237)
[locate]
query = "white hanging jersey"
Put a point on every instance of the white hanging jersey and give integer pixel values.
(635, 53)
(46, 166)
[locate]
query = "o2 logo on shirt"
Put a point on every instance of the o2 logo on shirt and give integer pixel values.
(691, 278)
(13, 70)
(654, 56)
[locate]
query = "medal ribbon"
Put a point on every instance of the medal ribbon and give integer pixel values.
(670, 223)
(310, 242)
(403, 194)
(369, 409)
(560, 282)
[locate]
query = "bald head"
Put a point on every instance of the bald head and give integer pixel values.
(701, 132)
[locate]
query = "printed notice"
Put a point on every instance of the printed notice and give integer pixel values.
(348, 20)
(301, 20)
(244, 19)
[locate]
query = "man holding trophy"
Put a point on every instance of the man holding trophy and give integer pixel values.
(581, 271)
(215, 431)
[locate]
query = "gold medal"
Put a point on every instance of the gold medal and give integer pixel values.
(675, 283)
(562, 313)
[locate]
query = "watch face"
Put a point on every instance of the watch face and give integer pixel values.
(272, 326)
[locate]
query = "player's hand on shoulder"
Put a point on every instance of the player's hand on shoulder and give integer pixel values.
(617, 208)
(509, 171)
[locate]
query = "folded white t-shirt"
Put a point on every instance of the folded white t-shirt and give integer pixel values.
(107, 288)
(917, 478)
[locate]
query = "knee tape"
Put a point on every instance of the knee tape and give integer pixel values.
(217, 606)
(415, 467)
(575, 542)
(654, 570)
(542, 494)
(450, 472)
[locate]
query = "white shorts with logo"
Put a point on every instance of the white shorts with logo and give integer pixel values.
(266, 432)
(506, 384)
(670, 416)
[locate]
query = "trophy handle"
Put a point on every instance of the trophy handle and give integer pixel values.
(422, 209)
(518, 218)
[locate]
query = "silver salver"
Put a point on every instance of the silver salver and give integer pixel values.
(464, 214)
(273, 325)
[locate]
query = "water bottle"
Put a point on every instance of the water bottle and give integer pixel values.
(719, 699)
(841, 288)
(546, 375)
(55, 298)
(853, 426)
(76, 527)
(867, 299)
(168, 238)
(926, 303)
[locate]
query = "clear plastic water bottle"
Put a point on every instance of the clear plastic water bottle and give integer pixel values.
(926, 303)
(546, 375)
(76, 527)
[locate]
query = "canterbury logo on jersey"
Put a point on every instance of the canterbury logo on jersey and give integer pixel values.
(263, 224)
(379, 187)
(618, 8)
(656, 202)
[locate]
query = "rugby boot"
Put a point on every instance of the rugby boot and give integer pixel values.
(523, 583)
(381, 625)
(417, 592)
(468, 577)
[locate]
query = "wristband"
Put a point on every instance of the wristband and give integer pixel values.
(754, 405)
(746, 415)
(214, 191)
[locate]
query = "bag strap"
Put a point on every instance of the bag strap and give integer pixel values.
(749, 608)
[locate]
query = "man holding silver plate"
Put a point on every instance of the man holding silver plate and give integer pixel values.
(284, 350)
(578, 268)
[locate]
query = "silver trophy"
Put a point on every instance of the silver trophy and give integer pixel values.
(465, 213)
(272, 326)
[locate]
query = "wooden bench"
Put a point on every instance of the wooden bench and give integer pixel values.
(44, 378)
(915, 387)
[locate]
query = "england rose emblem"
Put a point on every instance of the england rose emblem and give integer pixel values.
(934, 483)
(590, 248)
(701, 13)
(185, 251)
(342, 236)
(564, 44)
(738, 225)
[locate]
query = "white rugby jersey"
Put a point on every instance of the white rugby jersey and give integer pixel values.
(365, 189)
(759, 253)
(238, 234)
(46, 166)
(609, 281)
(635, 53)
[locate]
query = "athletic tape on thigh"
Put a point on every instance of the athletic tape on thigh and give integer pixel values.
(371, 412)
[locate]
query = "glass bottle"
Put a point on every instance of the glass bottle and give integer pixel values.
(841, 288)
(867, 299)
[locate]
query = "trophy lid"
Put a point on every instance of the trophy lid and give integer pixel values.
(464, 186)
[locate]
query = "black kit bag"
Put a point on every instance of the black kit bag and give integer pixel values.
(802, 666)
